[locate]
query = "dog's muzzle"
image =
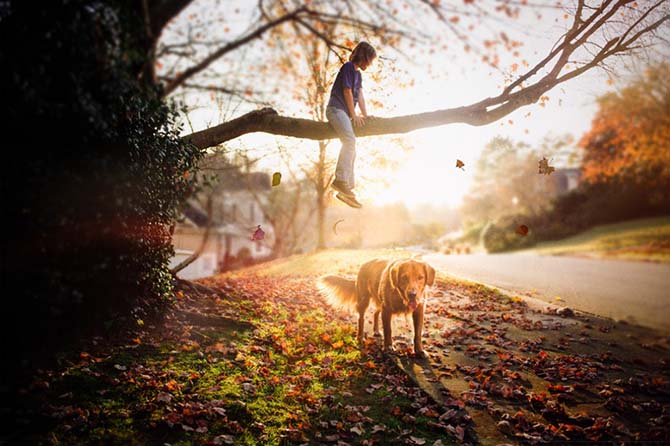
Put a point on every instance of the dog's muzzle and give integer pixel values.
(412, 303)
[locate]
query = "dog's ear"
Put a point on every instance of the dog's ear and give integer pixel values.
(430, 274)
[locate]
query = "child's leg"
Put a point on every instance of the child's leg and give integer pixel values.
(339, 120)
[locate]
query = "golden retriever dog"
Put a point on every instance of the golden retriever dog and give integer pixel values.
(395, 287)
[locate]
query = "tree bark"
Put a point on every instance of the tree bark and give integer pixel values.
(269, 121)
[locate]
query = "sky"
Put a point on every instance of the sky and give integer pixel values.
(428, 174)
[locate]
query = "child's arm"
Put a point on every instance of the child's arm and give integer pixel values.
(349, 99)
(361, 104)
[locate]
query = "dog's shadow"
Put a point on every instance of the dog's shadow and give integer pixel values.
(419, 370)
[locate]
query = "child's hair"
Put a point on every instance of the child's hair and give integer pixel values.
(363, 51)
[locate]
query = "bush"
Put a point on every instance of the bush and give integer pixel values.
(590, 205)
(95, 180)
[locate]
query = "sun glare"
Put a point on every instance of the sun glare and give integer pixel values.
(428, 175)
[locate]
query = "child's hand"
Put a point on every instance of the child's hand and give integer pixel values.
(359, 121)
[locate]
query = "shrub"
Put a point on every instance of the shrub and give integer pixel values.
(96, 177)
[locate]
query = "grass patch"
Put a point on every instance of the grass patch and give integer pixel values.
(645, 239)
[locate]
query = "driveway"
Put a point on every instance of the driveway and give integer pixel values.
(636, 292)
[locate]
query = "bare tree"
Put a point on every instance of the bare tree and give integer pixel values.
(599, 32)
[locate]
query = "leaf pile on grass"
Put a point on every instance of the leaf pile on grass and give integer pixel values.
(263, 362)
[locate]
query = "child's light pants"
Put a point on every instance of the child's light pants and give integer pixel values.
(339, 120)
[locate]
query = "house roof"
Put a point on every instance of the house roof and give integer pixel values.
(194, 214)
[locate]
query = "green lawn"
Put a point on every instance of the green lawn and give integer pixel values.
(645, 239)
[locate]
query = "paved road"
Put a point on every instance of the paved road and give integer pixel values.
(637, 292)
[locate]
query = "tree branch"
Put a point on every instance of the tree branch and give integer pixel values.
(181, 78)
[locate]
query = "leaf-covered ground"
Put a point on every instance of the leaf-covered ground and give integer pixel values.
(258, 358)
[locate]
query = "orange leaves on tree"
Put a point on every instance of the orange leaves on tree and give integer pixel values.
(630, 132)
(454, 19)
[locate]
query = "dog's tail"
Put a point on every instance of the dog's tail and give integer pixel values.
(338, 291)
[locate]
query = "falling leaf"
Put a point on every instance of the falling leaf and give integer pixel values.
(544, 167)
(276, 178)
(259, 234)
(460, 164)
(522, 230)
(335, 225)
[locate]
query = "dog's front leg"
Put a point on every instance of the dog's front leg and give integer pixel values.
(417, 318)
(375, 329)
(386, 325)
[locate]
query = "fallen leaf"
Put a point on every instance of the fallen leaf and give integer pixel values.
(460, 164)
(259, 234)
(335, 225)
(544, 167)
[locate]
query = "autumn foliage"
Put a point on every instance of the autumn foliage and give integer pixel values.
(625, 172)
(630, 136)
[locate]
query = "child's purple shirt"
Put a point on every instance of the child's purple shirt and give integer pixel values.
(348, 77)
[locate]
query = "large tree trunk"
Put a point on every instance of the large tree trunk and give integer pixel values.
(322, 182)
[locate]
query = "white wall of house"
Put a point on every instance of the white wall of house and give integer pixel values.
(204, 266)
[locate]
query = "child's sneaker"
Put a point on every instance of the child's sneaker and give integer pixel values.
(342, 188)
(349, 199)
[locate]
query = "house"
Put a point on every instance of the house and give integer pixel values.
(566, 179)
(237, 202)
